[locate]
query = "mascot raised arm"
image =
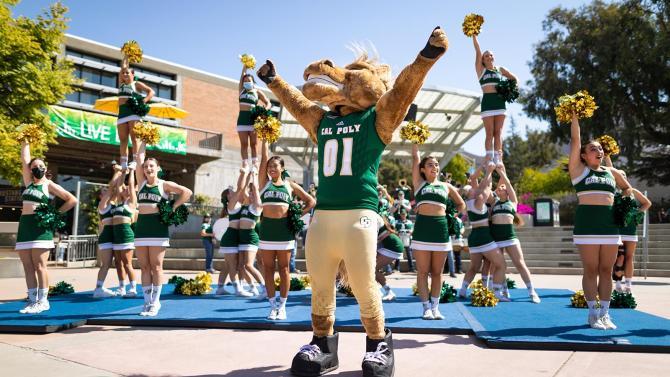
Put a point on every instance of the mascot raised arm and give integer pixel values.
(365, 109)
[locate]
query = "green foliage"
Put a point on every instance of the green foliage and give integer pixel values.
(619, 52)
(536, 151)
(457, 167)
(31, 77)
(554, 181)
(391, 170)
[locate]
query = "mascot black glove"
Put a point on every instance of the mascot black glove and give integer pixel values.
(430, 51)
(267, 72)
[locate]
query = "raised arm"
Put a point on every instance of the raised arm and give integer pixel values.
(645, 203)
(254, 195)
(25, 164)
(416, 171)
(510, 189)
(262, 169)
(307, 199)
(183, 192)
(575, 165)
(479, 67)
(146, 89)
(111, 187)
(484, 188)
(132, 188)
(141, 156)
(393, 105)
(238, 189)
(240, 84)
(306, 112)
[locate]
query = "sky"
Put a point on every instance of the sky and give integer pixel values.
(210, 34)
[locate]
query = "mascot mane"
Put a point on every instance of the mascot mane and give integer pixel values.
(364, 59)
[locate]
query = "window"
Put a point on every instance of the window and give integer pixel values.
(90, 75)
(74, 97)
(108, 79)
(85, 96)
(165, 92)
(154, 73)
(91, 57)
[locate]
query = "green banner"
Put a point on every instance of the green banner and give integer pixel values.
(99, 128)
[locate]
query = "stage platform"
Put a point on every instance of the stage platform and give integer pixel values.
(551, 325)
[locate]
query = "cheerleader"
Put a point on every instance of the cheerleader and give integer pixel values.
(503, 213)
(595, 233)
(277, 240)
(33, 242)
(125, 213)
(480, 241)
(249, 97)
(127, 118)
(249, 227)
(493, 106)
(458, 244)
(430, 239)
(106, 233)
(629, 239)
(389, 250)
(152, 236)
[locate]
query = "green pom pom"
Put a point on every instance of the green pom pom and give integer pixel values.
(168, 216)
(259, 111)
(49, 218)
(137, 105)
(295, 223)
(178, 282)
(447, 293)
(511, 284)
(626, 211)
(61, 288)
(622, 300)
(296, 284)
(508, 90)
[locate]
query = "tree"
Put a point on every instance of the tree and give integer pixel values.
(392, 170)
(619, 51)
(537, 151)
(31, 78)
(552, 182)
(457, 167)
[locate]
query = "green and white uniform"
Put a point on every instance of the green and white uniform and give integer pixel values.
(431, 233)
(126, 113)
(275, 233)
(389, 244)
(31, 235)
(249, 97)
(249, 237)
(106, 236)
(504, 234)
(228, 244)
(629, 233)
(457, 240)
(124, 237)
(594, 224)
(405, 229)
(480, 239)
(149, 231)
(492, 103)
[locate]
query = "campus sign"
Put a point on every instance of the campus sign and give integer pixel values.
(99, 128)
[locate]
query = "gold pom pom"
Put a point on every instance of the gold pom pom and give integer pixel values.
(147, 132)
(248, 61)
(581, 103)
(31, 134)
(306, 281)
(415, 290)
(483, 297)
(132, 51)
(476, 284)
(472, 24)
(610, 146)
(198, 286)
(415, 131)
(268, 128)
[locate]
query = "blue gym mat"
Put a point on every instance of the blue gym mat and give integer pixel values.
(555, 325)
(402, 315)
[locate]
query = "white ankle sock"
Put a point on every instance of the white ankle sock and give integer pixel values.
(147, 294)
(629, 283)
(133, 284)
(42, 294)
(604, 307)
(282, 301)
(273, 302)
(98, 284)
(592, 307)
(426, 305)
(122, 284)
(434, 302)
(32, 294)
(156, 296)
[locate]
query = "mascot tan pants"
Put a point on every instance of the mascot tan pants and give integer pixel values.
(349, 236)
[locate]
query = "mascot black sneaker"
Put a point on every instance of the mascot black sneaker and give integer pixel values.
(378, 360)
(316, 358)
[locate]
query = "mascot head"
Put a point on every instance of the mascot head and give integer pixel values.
(354, 87)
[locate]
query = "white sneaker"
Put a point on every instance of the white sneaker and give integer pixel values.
(501, 297)
(120, 292)
(145, 310)
(596, 323)
(281, 313)
(243, 293)
(436, 313)
(132, 165)
(254, 291)
(29, 309)
(221, 291)
(428, 314)
(41, 306)
(389, 296)
(627, 289)
(618, 287)
(505, 291)
(534, 297)
(131, 293)
(153, 309)
(103, 293)
(273, 314)
(607, 321)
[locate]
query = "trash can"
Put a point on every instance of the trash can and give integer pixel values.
(546, 212)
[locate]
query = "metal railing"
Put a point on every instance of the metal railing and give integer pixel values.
(80, 249)
(203, 139)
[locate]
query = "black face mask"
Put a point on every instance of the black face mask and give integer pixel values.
(38, 172)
